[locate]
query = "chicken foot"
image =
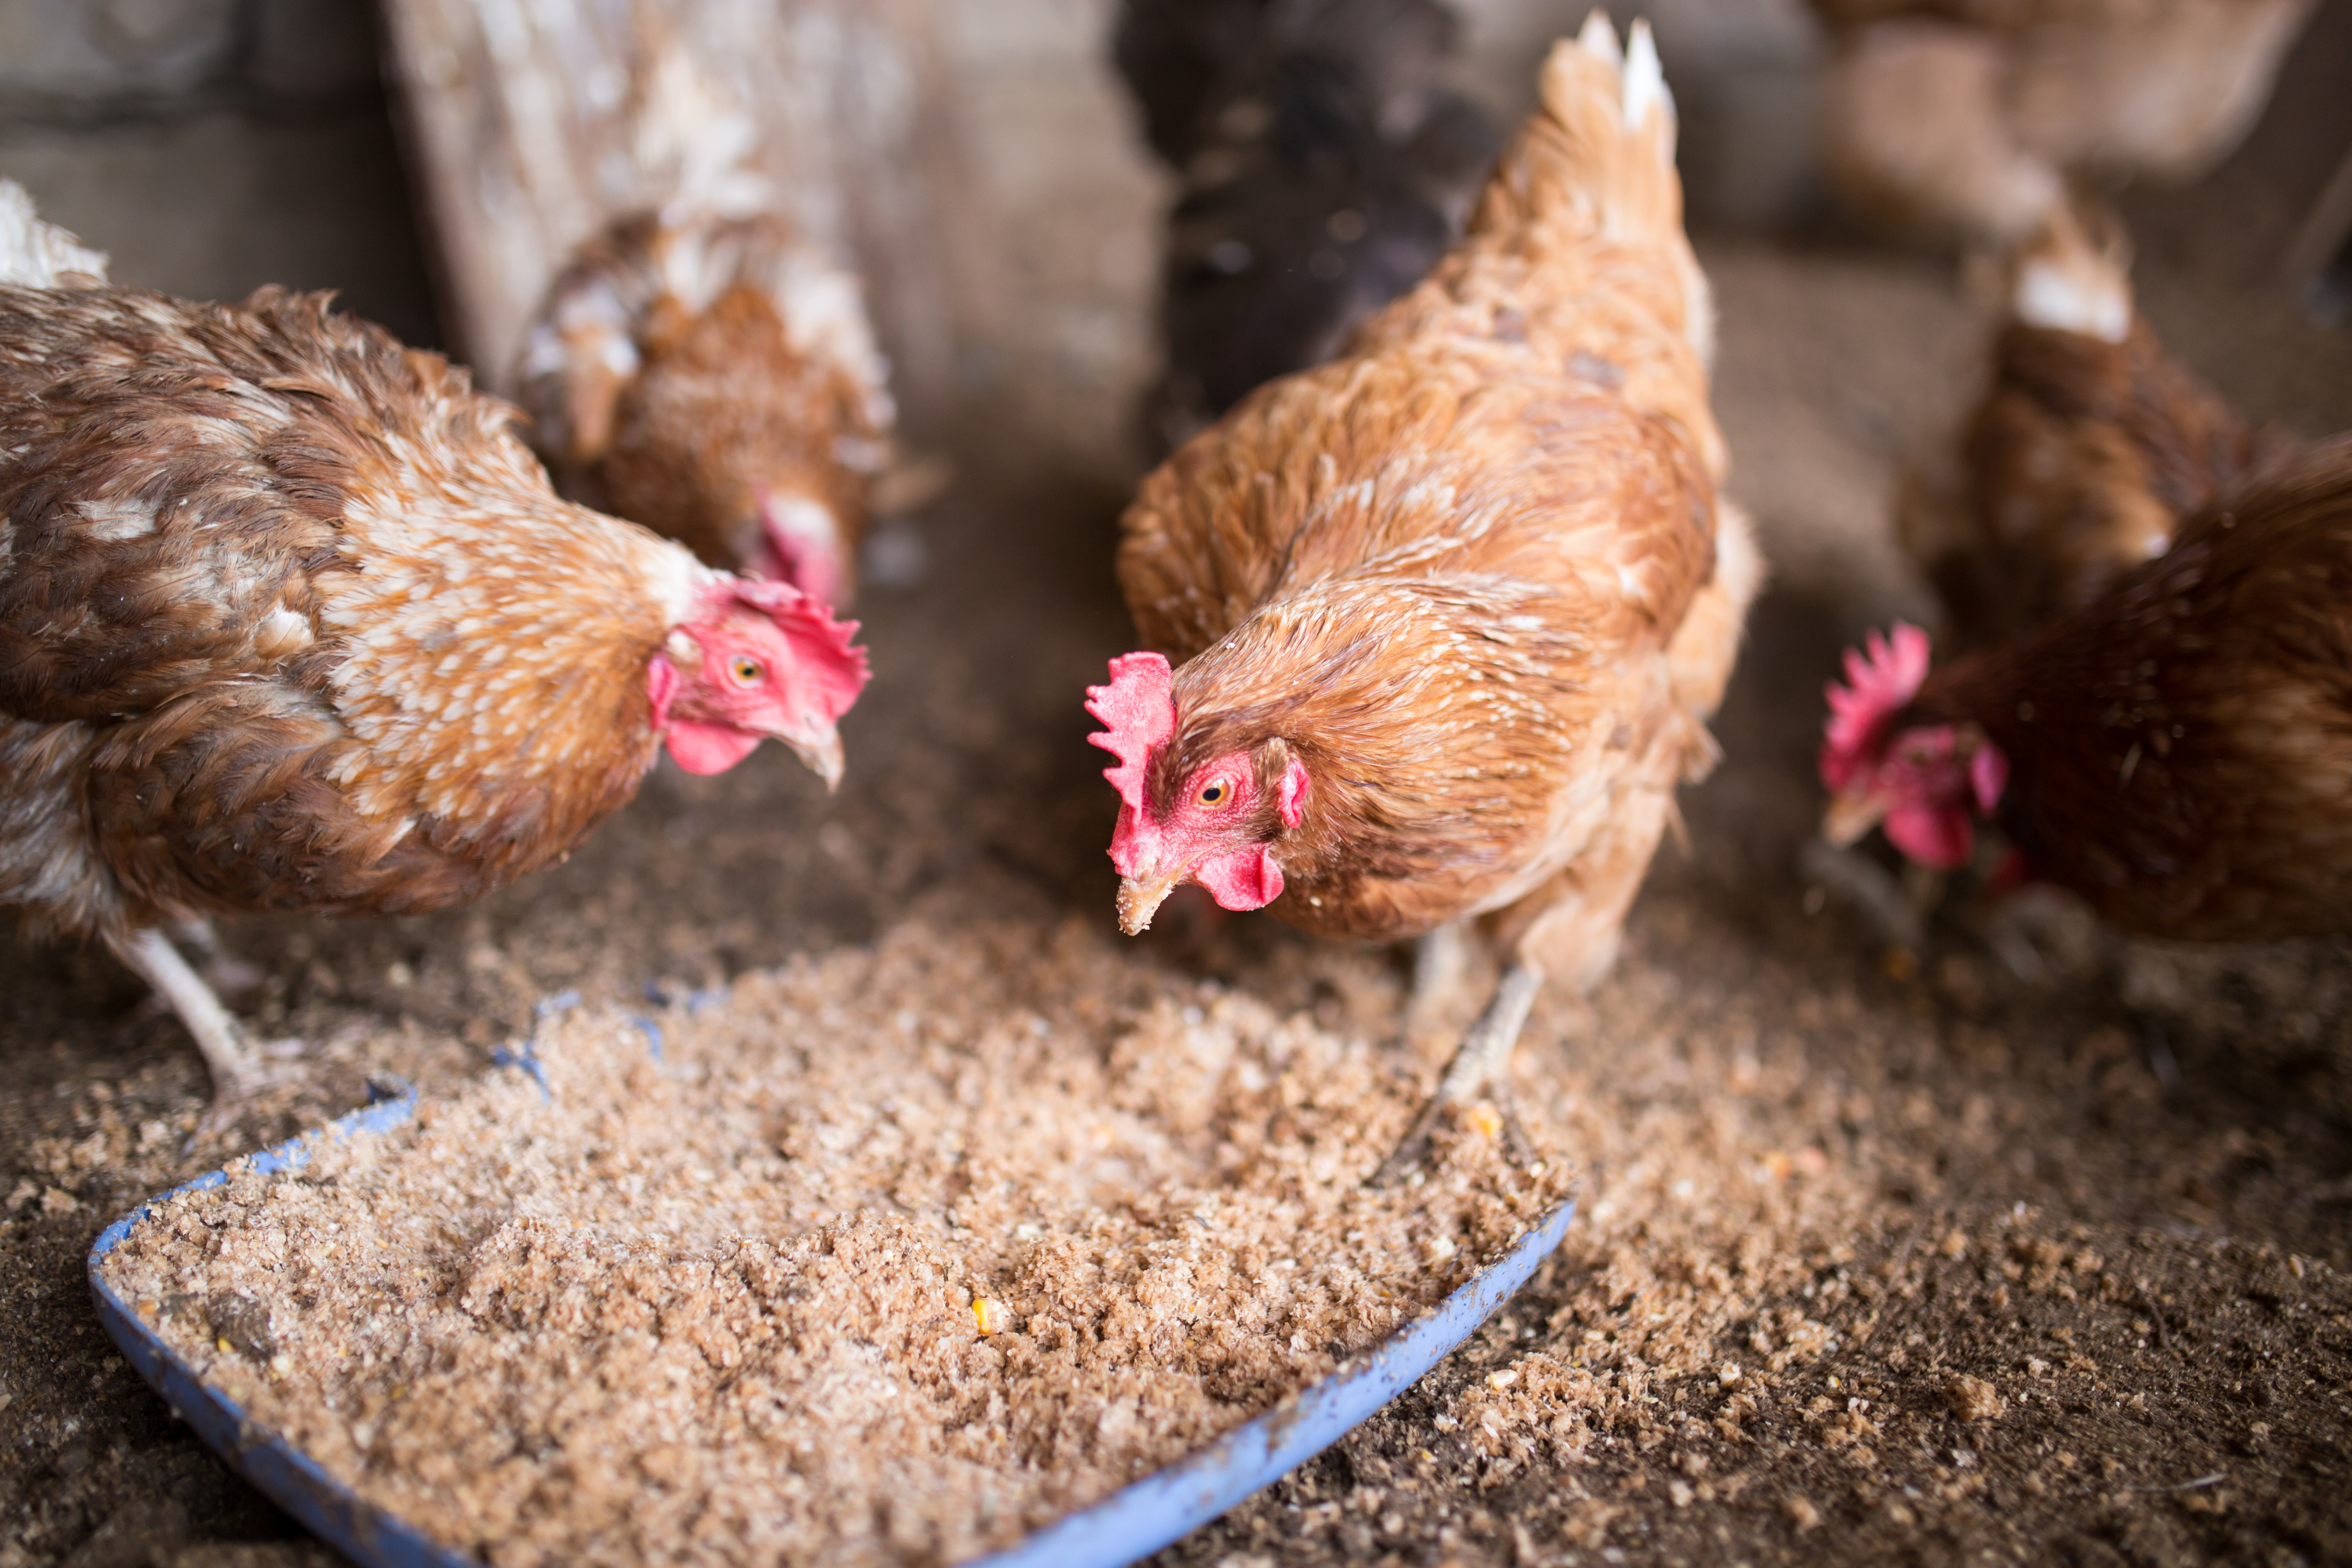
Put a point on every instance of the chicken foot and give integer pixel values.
(1481, 1068)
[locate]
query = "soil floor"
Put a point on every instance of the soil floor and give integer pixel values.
(1885, 1255)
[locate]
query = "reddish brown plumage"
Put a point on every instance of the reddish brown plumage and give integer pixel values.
(2179, 752)
(699, 375)
(2088, 449)
(1475, 574)
(289, 619)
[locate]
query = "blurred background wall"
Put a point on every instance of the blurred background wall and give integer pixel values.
(212, 145)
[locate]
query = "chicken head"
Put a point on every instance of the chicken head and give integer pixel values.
(1216, 826)
(1925, 783)
(756, 660)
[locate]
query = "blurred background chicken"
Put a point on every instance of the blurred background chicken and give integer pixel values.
(1969, 118)
(1325, 168)
(713, 380)
(1450, 612)
(2178, 751)
(700, 369)
(2089, 447)
(292, 620)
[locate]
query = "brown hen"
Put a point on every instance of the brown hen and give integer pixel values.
(717, 380)
(1452, 610)
(289, 619)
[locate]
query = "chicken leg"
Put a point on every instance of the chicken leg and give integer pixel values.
(235, 1069)
(1480, 1068)
(221, 968)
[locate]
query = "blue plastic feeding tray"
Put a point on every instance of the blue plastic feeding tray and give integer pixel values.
(1129, 1524)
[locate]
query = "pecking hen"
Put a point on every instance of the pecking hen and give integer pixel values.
(1449, 614)
(717, 380)
(2178, 751)
(292, 620)
(1969, 117)
(2089, 447)
(1325, 168)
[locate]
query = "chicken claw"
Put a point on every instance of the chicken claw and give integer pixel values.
(1480, 1071)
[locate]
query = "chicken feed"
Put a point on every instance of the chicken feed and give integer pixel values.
(865, 1261)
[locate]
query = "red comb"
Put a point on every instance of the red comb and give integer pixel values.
(1140, 706)
(1881, 676)
(833, 667)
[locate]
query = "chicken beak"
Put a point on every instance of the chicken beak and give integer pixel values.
(821, 751)
(1140, 896)
(1850, 816)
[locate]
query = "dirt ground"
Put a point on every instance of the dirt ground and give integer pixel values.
(1883, 1257)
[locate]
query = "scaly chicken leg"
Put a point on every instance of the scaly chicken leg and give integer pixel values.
(235, 1070)
(1480, 1068)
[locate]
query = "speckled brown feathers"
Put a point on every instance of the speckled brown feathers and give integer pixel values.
(2082, 459)
(291, 619)
(1450, 570)
(684, 369)
(2180, 750)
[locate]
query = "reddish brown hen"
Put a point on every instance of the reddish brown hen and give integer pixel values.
(717, 380)
(289, 619)
(2090, 446)
(2178, 752)
(1452, 610)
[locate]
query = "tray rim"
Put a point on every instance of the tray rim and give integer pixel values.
(1129, 1524)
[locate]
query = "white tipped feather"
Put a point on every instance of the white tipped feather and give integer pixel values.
(2050, 296)
(1600, 38)
(1646, 78)
(37, 255)
(2074, 276)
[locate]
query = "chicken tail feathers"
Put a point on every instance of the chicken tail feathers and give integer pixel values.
(1597, 160)
(37, 255)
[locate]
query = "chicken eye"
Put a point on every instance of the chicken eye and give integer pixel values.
(746, 671)
(1216, 792)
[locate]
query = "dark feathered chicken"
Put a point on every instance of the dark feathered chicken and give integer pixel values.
(2178, 752)
(1325, 170)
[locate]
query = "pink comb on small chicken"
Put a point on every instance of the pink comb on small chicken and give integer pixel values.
(1210, 829)
(1925, 783)
(758, 659)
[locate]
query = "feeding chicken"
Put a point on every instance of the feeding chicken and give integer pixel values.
(717, 380)
(2088, 449)
(1325, 168)
(1448, 615)
(1970, 116)
(2178, 751)
(292, 620)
